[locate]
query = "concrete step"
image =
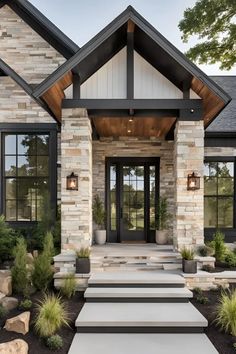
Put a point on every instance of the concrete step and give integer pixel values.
(126, 343)
(146, 279)
(140, 318)
(137, 295)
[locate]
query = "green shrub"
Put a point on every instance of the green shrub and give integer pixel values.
(230, 259)
(20, 280)
(234, 346)
(98, 212)
(51, 316)
(202, 299)
(83, 252)
(218, 245)
(197, 290)
(25, 304)
(208, 268)
(42, 274)
(187, 254)
(7, 240)
(69, 286)
(3, 311)
(204, 251)
(54, 342)
(226, 312)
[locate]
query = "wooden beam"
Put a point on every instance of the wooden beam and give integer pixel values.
(130, 26)
(130, 62)
(186, 90)
(166, 104)
(117, 113)
(76, 85)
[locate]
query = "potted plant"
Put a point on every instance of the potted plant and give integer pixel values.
(163, 218)
(188, 262)
(82, 260)
(99, 219)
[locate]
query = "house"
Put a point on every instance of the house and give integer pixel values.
(129, 115)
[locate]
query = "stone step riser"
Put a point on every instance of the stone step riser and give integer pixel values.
(138, 285)
(138, 300)
(139, 329)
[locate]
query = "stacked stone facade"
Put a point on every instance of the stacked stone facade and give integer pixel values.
(189, 206)
(76, 156)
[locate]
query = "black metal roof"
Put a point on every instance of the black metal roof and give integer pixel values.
(226, 120)
(148, 42)
(44, 27)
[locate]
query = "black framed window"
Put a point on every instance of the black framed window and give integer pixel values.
(219, 194)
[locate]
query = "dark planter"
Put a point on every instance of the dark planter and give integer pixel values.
(82, 265)
(189, 266)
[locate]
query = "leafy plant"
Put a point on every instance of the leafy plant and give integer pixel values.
(69, 286)
(42, 274)
(7, 240)
(218, 245)
(208, 268)
(187, 254)
(54, 342)
(234, 346)
(3, 311)
(230, 259)
(197, 290)
(51, 316)
(83, 252)
(226, 312)
(25, 304)
(19, 271)
(98, 212)
(163, 217)
(201, 299)
(204, 251)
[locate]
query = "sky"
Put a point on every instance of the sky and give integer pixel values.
(82, 19)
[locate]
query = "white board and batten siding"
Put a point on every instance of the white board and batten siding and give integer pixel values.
(110, 81)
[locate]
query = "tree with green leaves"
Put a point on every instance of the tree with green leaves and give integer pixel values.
(213, 21)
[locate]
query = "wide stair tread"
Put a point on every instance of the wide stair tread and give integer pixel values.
(130, 343)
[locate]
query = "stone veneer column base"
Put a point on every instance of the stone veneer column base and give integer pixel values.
(189, 205)
(76, 156)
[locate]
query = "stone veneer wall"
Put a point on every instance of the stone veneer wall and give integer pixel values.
(76, 156)
(220, 151)
(135, 147)
(24, 50)
(189, 207)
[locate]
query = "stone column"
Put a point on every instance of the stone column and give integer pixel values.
(189, 205)
(76, 156)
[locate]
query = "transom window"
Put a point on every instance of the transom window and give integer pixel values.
(219, 194)
(25, 175)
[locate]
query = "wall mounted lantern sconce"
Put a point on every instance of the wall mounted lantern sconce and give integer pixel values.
(193, 182)
(72, 182)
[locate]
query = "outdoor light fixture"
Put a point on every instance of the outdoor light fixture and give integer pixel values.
(72, 182)
(193, 182)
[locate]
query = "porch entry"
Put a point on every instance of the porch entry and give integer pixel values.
(132, 190)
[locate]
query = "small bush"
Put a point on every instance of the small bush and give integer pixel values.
(83, 252)
(25, 304)
(202, 299)
(51, 316)
(197, 290)
(208, 268)
(187, 254)
(204, 251)
(230, 259)
(69, 286)
(54, 342)
(48, 245)
(20, 281)
(3, 311)
(226, 312)
(234, 346)
(7, 240)
(218, 245)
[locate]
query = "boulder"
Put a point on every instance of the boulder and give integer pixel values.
(9, 303)
(2, 296)
(16, 346)
(19, 324)
(5, 282)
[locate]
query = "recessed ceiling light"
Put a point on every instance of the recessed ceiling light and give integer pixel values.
(129, 131)
(131, 119)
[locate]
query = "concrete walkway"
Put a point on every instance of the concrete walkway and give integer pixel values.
(134, 313)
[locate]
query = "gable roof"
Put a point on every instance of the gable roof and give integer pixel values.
(44, 27)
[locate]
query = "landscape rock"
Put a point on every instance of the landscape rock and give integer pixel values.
(2, 296)
(17, 346)
(19, 324)
(9, 303)
(5, 282)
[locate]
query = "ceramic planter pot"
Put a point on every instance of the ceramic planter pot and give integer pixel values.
(82, 265)
(189, 266)
(161, 237)
(100, 237)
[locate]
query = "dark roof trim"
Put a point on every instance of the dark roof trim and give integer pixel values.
(220, 139)
(44, 27)
(8, 71)
(132, 14)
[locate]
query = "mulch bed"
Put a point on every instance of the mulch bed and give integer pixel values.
(222, 341)
(36, 345)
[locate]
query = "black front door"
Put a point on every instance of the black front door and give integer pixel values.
(132, 192)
